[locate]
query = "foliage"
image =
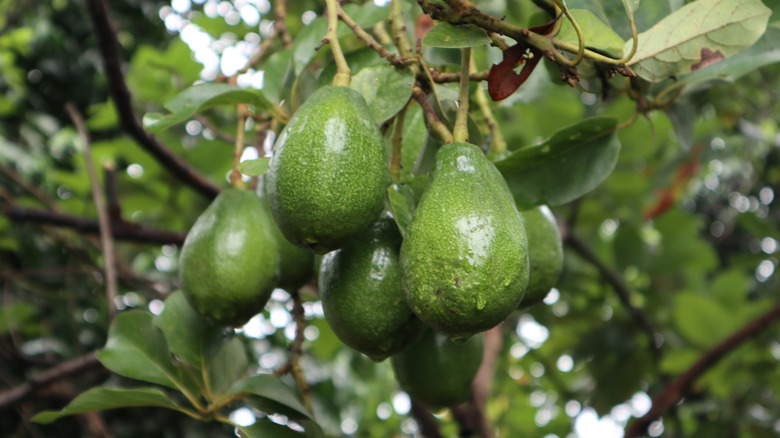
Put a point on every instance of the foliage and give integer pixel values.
(663, 183)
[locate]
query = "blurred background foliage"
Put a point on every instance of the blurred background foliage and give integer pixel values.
(687, 219)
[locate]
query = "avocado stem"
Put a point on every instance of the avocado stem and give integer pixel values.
(343, 74)
(397, 142)
(497, 144)
(460, 131)
(236, 180)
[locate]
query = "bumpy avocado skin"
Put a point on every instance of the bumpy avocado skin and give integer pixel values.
(438, 372)
(229, 262)
(296, 265)
(545, 253)
(327, 178)
(360, 288)
(464, 260)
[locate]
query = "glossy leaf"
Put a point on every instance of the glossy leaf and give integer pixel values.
(192, 338)
(385, 88)
(136, 348)
(595, 33)
(401, 199)
(699, 34)
(254, 167)
(99, 399)
(569, 164)
(455, 36)
(271, 394)
(268, 429)
(227, 365)
(202, 97)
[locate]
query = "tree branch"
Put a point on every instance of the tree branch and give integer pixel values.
(129, 121)
(65, 369)
(620, 287)
(471, 417)
(429, 427)
(672, 393)
(121, 230)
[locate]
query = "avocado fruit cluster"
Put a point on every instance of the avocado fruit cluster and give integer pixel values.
(468, 259)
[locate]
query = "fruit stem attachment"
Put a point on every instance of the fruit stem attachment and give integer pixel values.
(343, 74)
(460, 132)
(235, 176)
(397, 142)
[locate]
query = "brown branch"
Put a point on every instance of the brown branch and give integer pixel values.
(429, 427)
(675, 390)
(129, 121)
(122, 230)
(620, 287)
(19, 393)
(280, 25)
(296, 350)
(104, 222)
(436, 126)
(471, 416)
(373, 44)
(443, 77)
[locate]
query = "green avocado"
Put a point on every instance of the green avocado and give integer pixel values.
(229, 263)
(438, 372)
(327, 178)
(360, 288)
(296, 265)
(545, 253)
(464, 261)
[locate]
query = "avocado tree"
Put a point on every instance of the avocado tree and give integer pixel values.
(266, 218)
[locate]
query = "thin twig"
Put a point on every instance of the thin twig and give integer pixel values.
(280, 25)
(108, 44)
(343, 74)
(296, 350)
(620, 287)
(672, 393)
(19, 393)
(106, 238)
(373, 44)
(444, 77)
(472, 417)
(124, 230)
(436, 126)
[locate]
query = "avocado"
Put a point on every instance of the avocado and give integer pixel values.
(464, 261)
(328, 175)
(545, 253)
(438, 372)
(360, 288)
(296, 265)
(229, 263)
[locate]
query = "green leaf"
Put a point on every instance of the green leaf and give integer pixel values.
(569, 164)
(697, 35)
(202, 97)
(227, 366)
(766, 51)
(99, 399)
(401, 200)
(254, 167)
(385, 88)
(271, 394)
(192, 338)
(266, 428)
(701, 320)
(455, 36)
(594, 31)
(136, 348)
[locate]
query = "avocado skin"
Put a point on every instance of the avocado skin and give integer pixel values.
(464, 260)
(296, 265)
(327, 178)
(545, 253)
(229, 262)
(438, 372)
(360, 288)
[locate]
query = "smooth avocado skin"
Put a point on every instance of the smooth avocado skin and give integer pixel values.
(229, 262)
(545, 253)
(327, 178)
(296, 265)
(464, 261)
(360, 288)
(438, 372)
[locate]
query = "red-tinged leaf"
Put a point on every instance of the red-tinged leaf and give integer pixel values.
(502, 79)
